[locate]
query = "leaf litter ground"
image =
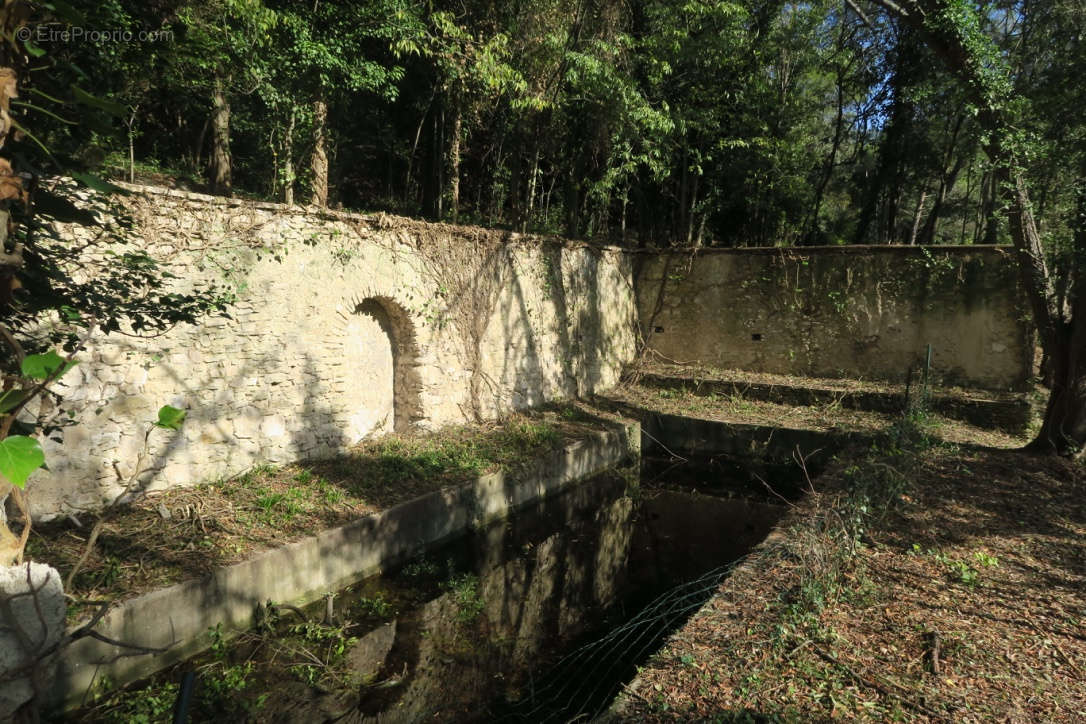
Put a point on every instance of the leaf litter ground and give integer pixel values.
(979, 559)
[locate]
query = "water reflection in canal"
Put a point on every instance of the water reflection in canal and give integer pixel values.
(541, 617)
(535, 618)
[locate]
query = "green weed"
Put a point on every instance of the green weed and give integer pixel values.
(140, 706)
(227, 681)
(423, 567)
(377, 606)
(465, 592)
(965, 573)
(334, 639)
(330, 494)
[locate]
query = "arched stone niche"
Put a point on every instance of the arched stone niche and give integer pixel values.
(379, 349)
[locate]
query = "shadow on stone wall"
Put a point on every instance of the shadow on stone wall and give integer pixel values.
(317, 433)
(509, 325)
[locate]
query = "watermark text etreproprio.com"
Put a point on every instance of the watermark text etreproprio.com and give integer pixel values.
(45, 34)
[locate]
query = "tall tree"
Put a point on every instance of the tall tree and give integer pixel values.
(953, 30)
(326, 53)
(218, 49)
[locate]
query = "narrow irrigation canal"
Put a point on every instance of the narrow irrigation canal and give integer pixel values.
(541, 617)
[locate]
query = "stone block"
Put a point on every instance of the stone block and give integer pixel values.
(35, 624)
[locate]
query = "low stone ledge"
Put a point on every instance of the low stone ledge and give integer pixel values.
(663, 433)
(178, 617)
(1011, 414)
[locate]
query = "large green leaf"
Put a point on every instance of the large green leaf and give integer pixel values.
(20, 456)
(43, 366)
(170, 418)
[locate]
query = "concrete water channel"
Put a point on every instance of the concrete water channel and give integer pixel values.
(542, 615)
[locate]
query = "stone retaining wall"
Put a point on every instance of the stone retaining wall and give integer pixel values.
(343, 326)
(862, 312)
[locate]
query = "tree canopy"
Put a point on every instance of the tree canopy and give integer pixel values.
(730, 123)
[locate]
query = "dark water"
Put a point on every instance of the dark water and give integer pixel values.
(543, 617)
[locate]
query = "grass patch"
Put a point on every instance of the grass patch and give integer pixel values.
(184, 533)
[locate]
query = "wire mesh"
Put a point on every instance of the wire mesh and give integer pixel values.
(581, 685)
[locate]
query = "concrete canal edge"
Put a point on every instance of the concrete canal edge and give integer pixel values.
(178, 618)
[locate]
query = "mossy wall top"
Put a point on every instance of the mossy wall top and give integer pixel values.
(866, 312)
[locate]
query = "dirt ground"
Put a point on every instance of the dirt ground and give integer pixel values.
(959, 596)
(736, 408)
(844, 385)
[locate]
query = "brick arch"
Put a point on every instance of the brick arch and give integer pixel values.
(395, 323)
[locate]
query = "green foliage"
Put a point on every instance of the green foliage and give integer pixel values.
(963, 571)
(10, 399)
(219, 644)
(227, 681)
(421, 568)
(148, 705)
(739, 122)
(333, 640)
(464, 589)
(376, 606)
(19, 457)
(170, 418)
(49, 365)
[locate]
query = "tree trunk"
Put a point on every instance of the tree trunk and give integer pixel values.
(288, 161)
(946, 186)
(433, 196)
(452, 174)
(947, 180)
(989, 219)
(573, 204)
(691, 213)
(220, 139)
(318, 162)
(917, 214)
(812, 232)
(1062, 331)
(533, 179)
(1063, 431)
(198, 148)
(1064, 428)
(885, 186)
(131, 124)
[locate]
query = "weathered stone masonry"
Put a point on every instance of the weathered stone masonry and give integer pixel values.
(864, 312)
(364, 325)
(347, 326)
